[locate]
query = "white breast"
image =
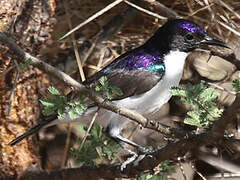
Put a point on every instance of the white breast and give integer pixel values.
(160, 93)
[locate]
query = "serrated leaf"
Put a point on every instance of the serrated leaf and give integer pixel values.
(103, 80)
(178, 92)
(117, 91)
(61, 112)
(236, 84)
(24, 65)
(49, 110)
(47, 102)
(72, 114)
(61, 116)
(97, 88)
(52, 90)
(79, 110)
(203, 101)
(109, 94)
(192, 122)
(96, 139)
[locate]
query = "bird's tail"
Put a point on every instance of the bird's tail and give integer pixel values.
(31, 131)
(53, 120)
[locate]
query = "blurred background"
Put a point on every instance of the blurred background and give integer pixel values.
(38, 25)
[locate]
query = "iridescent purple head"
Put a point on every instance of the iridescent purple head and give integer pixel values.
(191, 27)
(182, 35)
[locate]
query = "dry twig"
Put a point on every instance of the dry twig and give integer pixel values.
(91, 18)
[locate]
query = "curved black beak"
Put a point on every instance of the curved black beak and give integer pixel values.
(210, 41)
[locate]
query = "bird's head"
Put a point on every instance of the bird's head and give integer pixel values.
(183, 35)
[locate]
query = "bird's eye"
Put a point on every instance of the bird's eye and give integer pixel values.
(189, 37)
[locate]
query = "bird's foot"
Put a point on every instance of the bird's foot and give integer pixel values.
(136, 158)
(145, 150)
(128, 161)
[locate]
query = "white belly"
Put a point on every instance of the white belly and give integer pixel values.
(160, 93)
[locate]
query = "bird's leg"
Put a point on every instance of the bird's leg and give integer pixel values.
(115, 133)
(122, 140)
(135, 158)
(129, 160)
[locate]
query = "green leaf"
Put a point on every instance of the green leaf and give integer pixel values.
(97, 88)
(61, 113)
(117, 91)
(52, 90)
(49, 110)
(103, 80)
(203, 101)
(96, 139)
(166, 167)
(192, 122)
(236, 84)
(47, 102)
(72, 114)
(110, 94)
(178, 92)
(106, 90)
(24, 65)
(77, 108)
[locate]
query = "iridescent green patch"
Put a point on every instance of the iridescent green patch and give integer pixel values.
(156, 68)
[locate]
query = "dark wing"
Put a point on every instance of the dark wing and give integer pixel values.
(132, 81)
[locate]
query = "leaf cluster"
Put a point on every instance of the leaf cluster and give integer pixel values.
(105, 89)
(58, 103)
(22, 67)
(164, 168)
(203, 101)
(96, 140)
(236, 84)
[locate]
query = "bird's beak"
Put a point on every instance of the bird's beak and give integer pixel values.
(210, 41)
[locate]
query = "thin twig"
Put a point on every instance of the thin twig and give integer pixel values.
(93, 67)
(220, 88)
(91, 49)
(159, 7)
(210, 10)
(219, 162)
(200, 174)
(229, 8)
(181, 168)
(201, 9)
(89, 129)
(13, 88)
(94, 16)
(145, 10)
(229, 28)
(74, 42)
(67, 145)
(110, 28)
